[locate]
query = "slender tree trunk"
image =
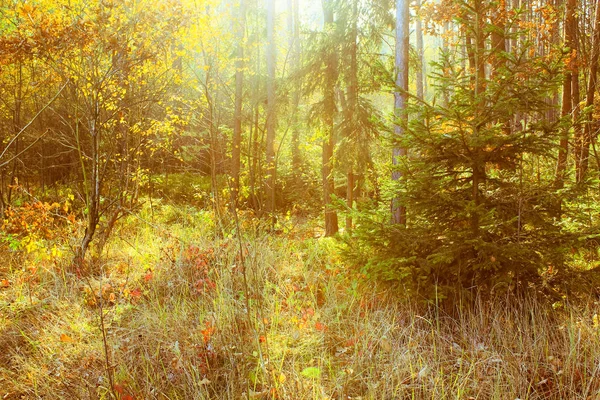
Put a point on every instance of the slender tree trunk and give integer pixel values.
(421, 70)
(445, 49)
(478, 57)
(352, 110)
(16, 129)
(575, 95)
(331, 220)
(294, 28)
(255, 136)
(349, 198)
(498, 58)
(93, 199)
(270, 151)
(567, 99)
(255, 166)
(400, 98)
(498, 41)
(555, 35)
(582, 166)
(514, 29)
(237, 117)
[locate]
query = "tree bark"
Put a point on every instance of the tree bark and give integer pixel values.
(567, 99)
(478, 59)
(270, 150)
(331, 220)
(237, 116)
(582, 165)
(400, 98)
(294, 28)
(421, 70)
(352, 109)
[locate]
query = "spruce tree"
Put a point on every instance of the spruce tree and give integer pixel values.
(479, 216)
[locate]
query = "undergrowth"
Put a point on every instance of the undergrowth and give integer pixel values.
(179, 322)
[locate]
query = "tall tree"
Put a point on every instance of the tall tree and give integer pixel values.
(567, 95)
(583, 146)
(271, 114)
(240, 27)
(352, 112)
(400, 97)
(329, 110)
(421, 69)
(294, 44)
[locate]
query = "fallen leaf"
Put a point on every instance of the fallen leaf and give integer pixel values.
(4, 283)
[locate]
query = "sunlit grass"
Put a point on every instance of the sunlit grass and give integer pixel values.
(178, 327)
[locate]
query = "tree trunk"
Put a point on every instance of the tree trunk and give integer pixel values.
(331, 220)
(237, 117)
(583, 163)
(93, 198)
(352, 111)
(567, 99)
(270, 150)
(400, 98)
(16, 129)
(421, 70)
(478, 57)
(349, 198)
(294, 31)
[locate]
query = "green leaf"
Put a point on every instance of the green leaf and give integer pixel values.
(311, 372)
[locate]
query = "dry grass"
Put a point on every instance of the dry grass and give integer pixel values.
(178, 326)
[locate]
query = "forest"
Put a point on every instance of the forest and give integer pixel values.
(299, 199)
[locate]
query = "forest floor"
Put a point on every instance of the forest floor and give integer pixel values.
(172, 311)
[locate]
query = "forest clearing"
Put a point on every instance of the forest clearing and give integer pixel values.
(299, 199)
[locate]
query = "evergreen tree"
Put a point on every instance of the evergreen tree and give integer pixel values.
(476, 217)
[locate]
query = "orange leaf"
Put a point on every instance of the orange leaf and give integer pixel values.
(320, 326)
(66, 338)
(135, 293)
(207, 333)
(148, 276)
(4, 283)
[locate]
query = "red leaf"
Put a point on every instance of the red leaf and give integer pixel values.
(148, 276)
(320, 326)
